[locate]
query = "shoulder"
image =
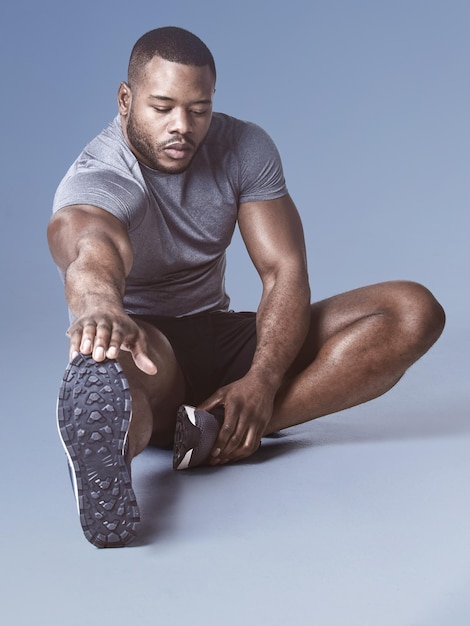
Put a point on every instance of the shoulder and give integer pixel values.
(106, 174)
(233, 132)
(246, 152)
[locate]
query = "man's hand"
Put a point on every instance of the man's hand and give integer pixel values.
(104, 334)
(248, 406)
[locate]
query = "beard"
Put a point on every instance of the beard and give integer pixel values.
(151, 151)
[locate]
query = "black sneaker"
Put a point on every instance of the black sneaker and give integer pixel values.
(93, 414)
(196, 432)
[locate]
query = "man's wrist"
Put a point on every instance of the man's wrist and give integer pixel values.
(93, 302)
(268, 377)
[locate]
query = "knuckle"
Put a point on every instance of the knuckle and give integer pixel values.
(118, 329)
(89, 323)
(104, 320)
(247, 450)
(103, 329)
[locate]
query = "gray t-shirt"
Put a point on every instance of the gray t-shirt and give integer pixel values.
(180, 225)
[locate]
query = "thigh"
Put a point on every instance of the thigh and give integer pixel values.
(333, 315)
(155, 397)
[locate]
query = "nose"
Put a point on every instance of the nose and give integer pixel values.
(180, 122)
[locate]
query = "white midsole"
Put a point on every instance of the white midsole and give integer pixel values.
(69, 458)
(190, 413)
(186, 460)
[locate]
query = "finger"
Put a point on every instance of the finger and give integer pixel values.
(88, 338)
(75, 336)
(114, 343)
(101, 341)
(251, 444)
(247, 447)
(244, 442)
(242, 446)
(253, 440)
(139, 350)
(236, 455)
(235, 442)
(145, 364)
(227, 430)
(216, 399)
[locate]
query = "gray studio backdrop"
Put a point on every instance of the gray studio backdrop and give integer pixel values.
(368, 103)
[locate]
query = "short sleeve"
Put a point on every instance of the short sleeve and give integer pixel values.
(261, 173)
(107, 189)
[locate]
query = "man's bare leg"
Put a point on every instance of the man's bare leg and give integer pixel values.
(359, 345)
(155, 399)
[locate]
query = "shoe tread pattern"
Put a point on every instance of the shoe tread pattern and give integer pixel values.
(94, 413)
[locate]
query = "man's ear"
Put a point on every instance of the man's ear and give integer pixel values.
(124, 97)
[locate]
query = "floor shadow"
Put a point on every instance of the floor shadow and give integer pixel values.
(357, 426)
(158, 487)
(281, 445)
(157, 490)
(367, 426)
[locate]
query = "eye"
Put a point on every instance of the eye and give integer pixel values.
(199, 112)
(161, 109)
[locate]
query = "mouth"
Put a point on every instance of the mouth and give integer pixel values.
(177, 150)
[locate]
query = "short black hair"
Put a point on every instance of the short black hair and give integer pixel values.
(172, 44)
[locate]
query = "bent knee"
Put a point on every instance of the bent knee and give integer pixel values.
(420, 315)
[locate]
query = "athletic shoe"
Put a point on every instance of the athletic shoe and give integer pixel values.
(93, 415)
(195, 435)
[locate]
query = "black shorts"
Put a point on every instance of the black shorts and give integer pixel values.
(212, 349)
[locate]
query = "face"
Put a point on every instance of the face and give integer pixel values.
(166, 116)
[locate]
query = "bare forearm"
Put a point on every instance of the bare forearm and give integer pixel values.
(92, 248)
(273, 234)
(96, 278)
(282, 323)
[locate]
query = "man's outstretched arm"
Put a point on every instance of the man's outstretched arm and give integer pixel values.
(93, 250)
(273, 235)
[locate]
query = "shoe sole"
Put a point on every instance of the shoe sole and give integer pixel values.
(93, 415)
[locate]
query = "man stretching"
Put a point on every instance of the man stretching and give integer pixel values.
(141, 224)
